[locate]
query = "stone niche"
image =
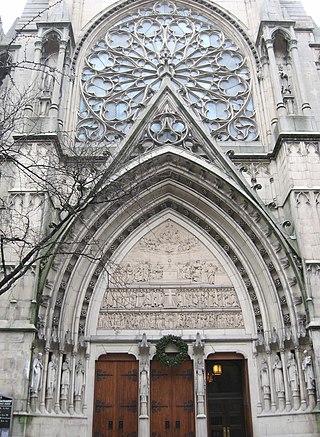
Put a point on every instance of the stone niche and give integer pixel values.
(170, 280)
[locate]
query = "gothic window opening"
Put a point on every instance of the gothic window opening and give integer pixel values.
(165, 43)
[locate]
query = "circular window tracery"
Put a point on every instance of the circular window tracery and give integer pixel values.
(127, 66)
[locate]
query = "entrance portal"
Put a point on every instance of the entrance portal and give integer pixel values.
(227, 397)
(172, 400)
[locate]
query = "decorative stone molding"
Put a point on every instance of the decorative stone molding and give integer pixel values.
(170, 320)
(239, 211)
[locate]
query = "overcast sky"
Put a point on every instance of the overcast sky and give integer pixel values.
(10, 10)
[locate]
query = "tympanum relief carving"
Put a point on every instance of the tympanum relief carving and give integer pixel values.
(170, 280)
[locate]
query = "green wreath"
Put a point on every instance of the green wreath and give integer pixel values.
(178, 358)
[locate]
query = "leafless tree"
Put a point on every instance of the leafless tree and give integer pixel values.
(42, 188)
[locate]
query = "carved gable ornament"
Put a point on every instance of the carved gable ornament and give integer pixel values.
(170, 280)
(157, 43)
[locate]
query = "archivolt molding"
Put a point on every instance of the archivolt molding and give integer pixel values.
(212, 200)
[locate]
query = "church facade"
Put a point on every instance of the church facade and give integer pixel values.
(181, 297)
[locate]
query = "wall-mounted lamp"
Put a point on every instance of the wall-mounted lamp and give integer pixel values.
(216, 371)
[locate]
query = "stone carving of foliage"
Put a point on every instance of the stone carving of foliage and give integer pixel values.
(165, 42)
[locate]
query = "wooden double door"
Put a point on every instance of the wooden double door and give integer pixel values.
(116, 400)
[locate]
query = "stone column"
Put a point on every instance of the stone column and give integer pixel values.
(57, 403)
(301, 377)
(285, 377)
(274, 73)
(200, 384)
(44, 382)
(55, 100)
(144, 388)
(71, 388)
(86, 370)
(293, 49)
(272, 388)
(34, 73)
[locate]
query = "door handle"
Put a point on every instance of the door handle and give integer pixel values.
(226, 431)
(167, 424)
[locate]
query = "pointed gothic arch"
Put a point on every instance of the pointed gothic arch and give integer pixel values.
(228, 216)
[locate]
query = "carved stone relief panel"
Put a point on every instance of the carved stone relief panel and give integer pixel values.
(170, 280)
(165, 297)
(170, 320)
(169, 254)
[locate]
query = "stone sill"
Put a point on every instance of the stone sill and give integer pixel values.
(51, 415)
(289, 413)
(17, 326)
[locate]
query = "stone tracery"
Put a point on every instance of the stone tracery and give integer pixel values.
(167, 42)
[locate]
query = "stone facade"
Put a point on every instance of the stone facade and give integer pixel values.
(198, 132)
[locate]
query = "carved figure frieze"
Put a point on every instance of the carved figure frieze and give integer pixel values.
(169, 239)
(171, 320)
(169, 254)
(134, 298)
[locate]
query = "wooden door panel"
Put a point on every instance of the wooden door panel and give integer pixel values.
(160, 400)
(104, 400)
(172, 400)
(183, 400)
(115, 400)
(127, 399)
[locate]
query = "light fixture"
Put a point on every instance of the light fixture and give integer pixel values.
(216, 371)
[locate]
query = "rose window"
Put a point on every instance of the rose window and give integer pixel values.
(169, 44)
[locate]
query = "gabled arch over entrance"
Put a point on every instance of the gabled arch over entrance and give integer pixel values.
(229, 217)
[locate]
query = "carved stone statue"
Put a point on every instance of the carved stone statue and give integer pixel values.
(36, 374)
(200, 387)
(200, 381)
(264, 375)
(65, 378)
(293, 372)
(278, 375)
(79, 379)
(144, 390)
(144, 382)
(51, 376)
(307, 368)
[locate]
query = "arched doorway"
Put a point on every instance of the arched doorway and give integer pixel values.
(228, 400)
